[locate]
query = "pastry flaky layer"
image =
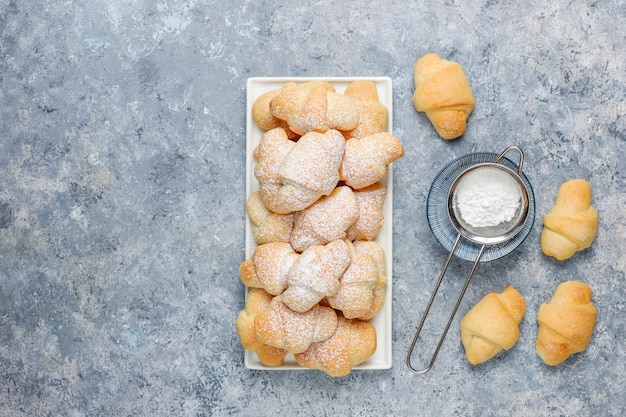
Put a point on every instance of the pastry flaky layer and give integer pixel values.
(572, 224)
(566, 323)
(492, 325)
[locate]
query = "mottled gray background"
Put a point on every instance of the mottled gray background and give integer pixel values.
(122, 190)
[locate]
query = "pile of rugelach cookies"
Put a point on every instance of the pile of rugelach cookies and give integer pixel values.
(317, 274)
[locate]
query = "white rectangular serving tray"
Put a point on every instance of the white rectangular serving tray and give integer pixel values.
(382, 358)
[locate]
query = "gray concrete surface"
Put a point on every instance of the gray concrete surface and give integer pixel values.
(122, 190)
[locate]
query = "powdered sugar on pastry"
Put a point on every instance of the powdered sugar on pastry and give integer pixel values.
(284, 328)
(371, 217)
(316, 274)
(373, 115)
(269, 266)
(314, 106)
(366, 160)
(377, 253)
(310, 170)
(352, 343)
(314, 267)
(356, 293)
(325, 220)
(270, 153)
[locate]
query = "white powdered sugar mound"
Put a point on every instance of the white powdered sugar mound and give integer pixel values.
(487, 198)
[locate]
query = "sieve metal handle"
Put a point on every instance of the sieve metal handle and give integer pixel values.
(430, 303)
(521, 157)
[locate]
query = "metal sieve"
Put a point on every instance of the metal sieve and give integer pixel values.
(482, 235)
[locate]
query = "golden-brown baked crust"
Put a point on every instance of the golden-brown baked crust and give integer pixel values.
(263, 117)
(572, 224)
(566, 323)
(492, 325)
(257, 302)
(443, 92)
(373, 115)
(267, 226)
(314, 106)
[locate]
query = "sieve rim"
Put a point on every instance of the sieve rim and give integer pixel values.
(482, 235)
